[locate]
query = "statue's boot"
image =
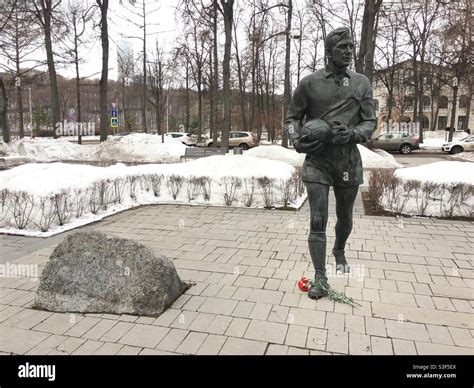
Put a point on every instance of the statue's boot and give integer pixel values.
(317, 249)
(342, 234)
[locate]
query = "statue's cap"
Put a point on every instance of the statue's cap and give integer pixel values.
(337, 35)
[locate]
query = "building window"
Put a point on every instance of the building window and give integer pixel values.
(462, 123)
(443, 102)
(463, 102)
(442, 122)
(426, 102)
(391, 103)
(376, 104)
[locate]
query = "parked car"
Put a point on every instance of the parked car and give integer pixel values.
(395, 141)
(458, 146)
(244, 140)
(185, 138)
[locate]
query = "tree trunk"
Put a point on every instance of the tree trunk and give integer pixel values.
(3, 112)
(364, 63)
(78, 85)
(287, 90)
(51, 66)
(144, 101)
(188, 109)
(215, 83)
(104, 120)
(241, 82)
(453, 113)
(228, 9)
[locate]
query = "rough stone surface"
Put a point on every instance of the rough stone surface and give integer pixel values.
(94, 273)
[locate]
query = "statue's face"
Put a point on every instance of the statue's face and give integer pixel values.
(341, 53)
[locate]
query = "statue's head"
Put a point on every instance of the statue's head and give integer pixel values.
(339, 47)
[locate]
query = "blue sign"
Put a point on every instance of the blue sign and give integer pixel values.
(114, 113)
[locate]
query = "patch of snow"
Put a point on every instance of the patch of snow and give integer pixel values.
(47, 180)
(139, 147)
(275, 152)
(449, 172)
(381, 159)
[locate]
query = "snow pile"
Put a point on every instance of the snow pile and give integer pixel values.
(6, 150)
(380, 159)
(57, 197)
(439, 172)
(433, 140)
(132, 148)
(46, 150)
(275, 152)
(370, 159)
(140, 147)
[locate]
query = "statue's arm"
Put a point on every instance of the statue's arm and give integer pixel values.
(296, 113)
(364, 130)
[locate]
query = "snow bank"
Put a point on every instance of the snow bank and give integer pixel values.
(140, 147)
(46, 150)
(275, 152)
(450, 172)
(370, 159)
(128, 186)
(132, 148)
(381, 159)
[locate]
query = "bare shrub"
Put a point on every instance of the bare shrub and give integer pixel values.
(144, 183)
(61, 206)
(80, 198)
(298, 182)
(22, 205)
(266, 188)
(94, 199)
(47, 212)
(193, 188)
(287, 191)
(391, 185)
(5, 203)
(424, 195)
(231, 186)
(467, 192)
(205, 187)
(118, 186)
(376, 189)
(103, 192)
(249, 191)
(403, 195)
(155, 182)
(174, 184)
(455, 192)
(133, 180)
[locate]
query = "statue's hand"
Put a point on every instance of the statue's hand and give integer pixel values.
(342, 134)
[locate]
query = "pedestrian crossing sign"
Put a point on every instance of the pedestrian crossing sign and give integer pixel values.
(114, 122)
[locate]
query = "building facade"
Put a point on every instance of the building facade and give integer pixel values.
(438, 92)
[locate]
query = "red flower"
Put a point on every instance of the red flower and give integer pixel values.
(303, 284)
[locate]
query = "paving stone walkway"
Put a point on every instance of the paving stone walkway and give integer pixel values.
(413, 278)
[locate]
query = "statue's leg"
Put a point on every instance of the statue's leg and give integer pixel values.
(345, 198)
(318, 202)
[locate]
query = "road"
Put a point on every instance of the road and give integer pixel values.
(418, 158)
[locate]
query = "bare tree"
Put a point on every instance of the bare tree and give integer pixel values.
(17, 42)
(365, 59)
(104, 37)
(78, 16)
(227, 10)
(45, 12)
(140, 12)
